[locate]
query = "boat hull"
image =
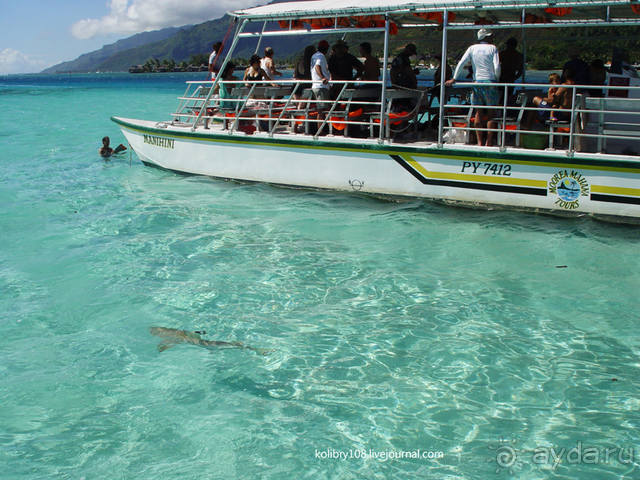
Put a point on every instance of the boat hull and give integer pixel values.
(550, 181)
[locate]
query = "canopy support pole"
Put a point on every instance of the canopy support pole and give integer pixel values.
(218, 77)
(264, 26)
(385, 62)
(443, 73)
(524, 49)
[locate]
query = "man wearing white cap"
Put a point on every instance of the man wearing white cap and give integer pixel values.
(485, 62)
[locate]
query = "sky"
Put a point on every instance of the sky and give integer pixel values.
(36, 34)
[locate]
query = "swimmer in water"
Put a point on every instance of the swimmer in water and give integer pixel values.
(107, 151)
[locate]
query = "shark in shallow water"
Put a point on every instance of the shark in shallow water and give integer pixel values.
(173, 336)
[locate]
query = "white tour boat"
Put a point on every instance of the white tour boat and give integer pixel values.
(262, 132)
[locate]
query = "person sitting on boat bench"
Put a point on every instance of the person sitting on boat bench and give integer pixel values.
(558, 98)
(254, 72)
(107, 151)
(548, 101)
(485, 61)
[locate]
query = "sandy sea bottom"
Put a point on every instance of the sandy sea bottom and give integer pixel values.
(402, 340)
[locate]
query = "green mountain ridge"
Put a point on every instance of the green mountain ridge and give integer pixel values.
(90, 62)
(179, 47)
(175, 43)
(546, 48)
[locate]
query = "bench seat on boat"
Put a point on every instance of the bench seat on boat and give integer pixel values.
(396, 118)
(349, 110)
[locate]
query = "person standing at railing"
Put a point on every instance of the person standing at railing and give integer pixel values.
(597, 76)
(434, 98)
(485, 61)
(437, 75)
(302, 71)
(214, 65)
(226, 88)
(370, 73)
(578, 67)
(402, 74)
(266, 63)
(320, 76)
(371, 65)
(320, 69)
(511, 67)
(341, 66)
(223, 91)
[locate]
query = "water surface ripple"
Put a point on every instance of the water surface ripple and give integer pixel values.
(390, 327)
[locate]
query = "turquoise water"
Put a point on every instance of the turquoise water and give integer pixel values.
(391, 327)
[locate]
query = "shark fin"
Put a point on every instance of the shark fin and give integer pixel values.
(191, 335)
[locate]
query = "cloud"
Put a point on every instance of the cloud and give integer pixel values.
(13, 61)
(134, 16)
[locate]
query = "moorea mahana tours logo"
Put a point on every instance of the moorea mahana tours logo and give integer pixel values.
(569, 185)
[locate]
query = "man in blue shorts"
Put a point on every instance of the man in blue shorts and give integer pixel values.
(485, 62)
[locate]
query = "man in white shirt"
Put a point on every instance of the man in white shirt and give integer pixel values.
(485, 62)
(320, 71)
(320, 75)
(266, 63)
(214, 66)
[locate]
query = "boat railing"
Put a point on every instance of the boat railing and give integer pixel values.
(591, 123)
(597, 113)
(280, 104)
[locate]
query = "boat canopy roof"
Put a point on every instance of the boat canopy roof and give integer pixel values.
(557, 11)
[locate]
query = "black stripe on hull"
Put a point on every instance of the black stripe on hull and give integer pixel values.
(598, 197)
(474, 186)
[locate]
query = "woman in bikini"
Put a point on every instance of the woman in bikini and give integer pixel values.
(254, 73)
